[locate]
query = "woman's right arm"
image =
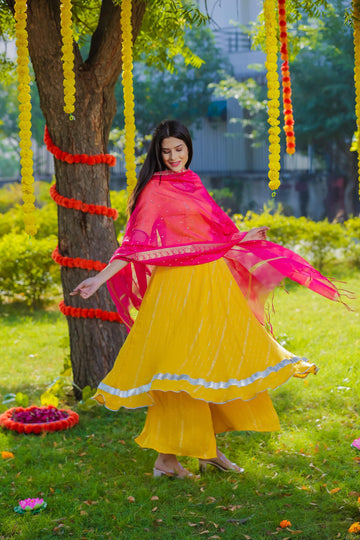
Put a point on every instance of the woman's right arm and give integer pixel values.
(89, 286)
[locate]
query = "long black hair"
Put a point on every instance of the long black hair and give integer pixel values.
(153, 162)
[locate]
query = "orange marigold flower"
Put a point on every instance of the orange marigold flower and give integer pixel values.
(7, 455)
(355, 527)
(285, 523)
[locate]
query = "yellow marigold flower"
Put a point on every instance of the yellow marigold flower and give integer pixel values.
(356, 24)
(25, 114)
(273, 93)
(67, 56)
(127, 80)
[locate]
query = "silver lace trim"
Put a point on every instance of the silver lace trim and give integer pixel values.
(221, 385)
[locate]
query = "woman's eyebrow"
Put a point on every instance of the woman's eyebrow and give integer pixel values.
(178, 146)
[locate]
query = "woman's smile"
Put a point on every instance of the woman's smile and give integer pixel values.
(174, 153)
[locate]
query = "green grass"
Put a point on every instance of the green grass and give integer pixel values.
(86, 474)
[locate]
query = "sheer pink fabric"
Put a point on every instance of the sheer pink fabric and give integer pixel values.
(177, 223)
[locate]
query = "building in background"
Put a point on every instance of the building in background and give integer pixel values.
(223, 156)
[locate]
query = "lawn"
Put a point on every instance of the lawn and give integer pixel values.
(98, 484)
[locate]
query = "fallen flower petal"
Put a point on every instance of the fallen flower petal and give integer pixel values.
(354, 528)
(7, 455)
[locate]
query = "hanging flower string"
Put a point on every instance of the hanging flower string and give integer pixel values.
(67, 57)
(127, 80)
(356, 23)
(108, 159)
(286, 81)
(273, 94)
(76, 204)
(26, 154)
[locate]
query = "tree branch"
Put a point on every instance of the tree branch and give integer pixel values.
(105, 50)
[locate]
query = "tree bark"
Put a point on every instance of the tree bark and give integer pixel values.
(94, 344)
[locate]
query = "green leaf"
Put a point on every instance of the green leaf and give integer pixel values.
(48, 398)
(88, 392)
(22, 400)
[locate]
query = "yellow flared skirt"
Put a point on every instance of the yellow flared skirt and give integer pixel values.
(200, 360)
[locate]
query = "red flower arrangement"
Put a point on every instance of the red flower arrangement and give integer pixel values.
(89, 313)
(286, 81)
(38, 419)
(77, 158)
(79, 205)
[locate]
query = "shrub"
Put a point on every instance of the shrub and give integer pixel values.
(26, 267)
(352, 250)
(224, 198)
(320, 242)
(10, 195)
(284, 230)
(119, 201)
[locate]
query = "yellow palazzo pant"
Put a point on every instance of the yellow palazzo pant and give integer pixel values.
(200, 361)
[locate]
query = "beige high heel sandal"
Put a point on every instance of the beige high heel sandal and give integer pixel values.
(157, 473)
(203, 463)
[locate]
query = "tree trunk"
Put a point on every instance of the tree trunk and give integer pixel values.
(94, 343)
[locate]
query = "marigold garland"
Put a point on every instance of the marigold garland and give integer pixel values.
(67, 57)
(76, 204)
(356, 23)
(273, 94)
(26, 154)
(127, 81)
(77, 158)
(77, 262)
(89, 313)
(286, 80)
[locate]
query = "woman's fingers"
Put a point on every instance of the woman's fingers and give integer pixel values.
(81, 289)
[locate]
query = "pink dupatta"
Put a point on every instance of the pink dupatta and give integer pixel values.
(177, 223)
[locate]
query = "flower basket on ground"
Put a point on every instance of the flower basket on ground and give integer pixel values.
(38, 419)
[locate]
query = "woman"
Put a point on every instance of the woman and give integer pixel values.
(198, 355)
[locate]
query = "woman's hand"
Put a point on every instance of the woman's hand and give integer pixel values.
(259, 233)
(87, 287)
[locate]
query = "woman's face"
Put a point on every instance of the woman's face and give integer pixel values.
(174, 153)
